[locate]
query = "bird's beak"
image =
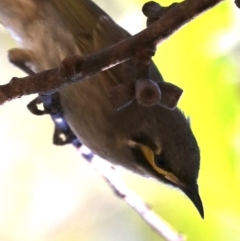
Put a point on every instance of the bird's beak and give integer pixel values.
(193, 195)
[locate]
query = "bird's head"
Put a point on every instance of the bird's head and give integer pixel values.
(167, 150)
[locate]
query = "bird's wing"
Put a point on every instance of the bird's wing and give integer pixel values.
(82, 18)
(94, 30)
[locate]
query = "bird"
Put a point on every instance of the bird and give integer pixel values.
(154, 142)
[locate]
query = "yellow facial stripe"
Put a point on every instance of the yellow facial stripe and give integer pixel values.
(149, 155)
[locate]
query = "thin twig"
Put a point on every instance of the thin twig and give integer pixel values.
(107, 171)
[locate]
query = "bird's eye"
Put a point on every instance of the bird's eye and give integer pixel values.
(159, 161)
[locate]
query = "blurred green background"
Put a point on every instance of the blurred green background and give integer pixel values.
(47, 193)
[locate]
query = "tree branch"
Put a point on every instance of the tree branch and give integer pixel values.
(76, 68)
